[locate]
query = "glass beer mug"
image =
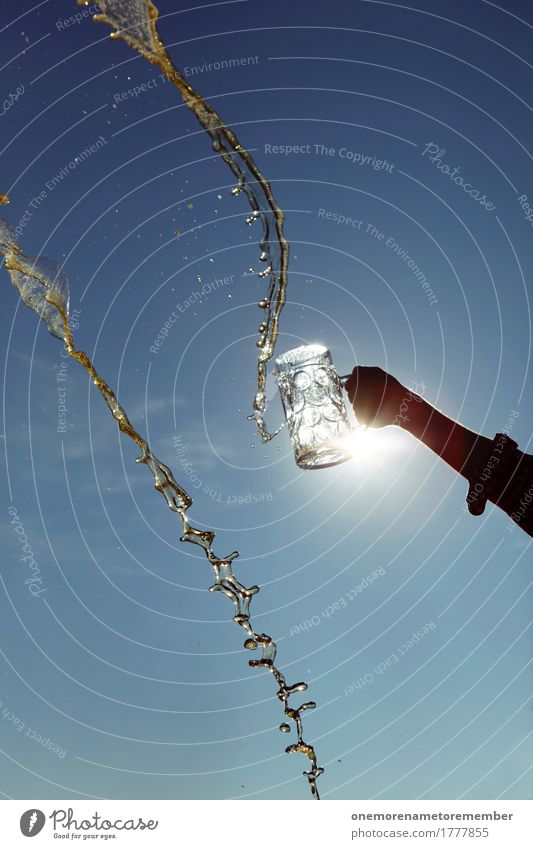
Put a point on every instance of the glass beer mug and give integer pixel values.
(313, 402)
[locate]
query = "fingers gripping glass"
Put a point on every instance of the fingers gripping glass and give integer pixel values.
(311, 393)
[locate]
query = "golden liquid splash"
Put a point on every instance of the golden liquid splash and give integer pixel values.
(135, 22)
(44, 288)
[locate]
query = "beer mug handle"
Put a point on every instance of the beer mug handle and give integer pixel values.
(344, 379)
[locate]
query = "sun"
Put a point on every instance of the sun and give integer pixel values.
(372, 447)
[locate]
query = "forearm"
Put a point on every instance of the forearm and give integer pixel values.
(495, 469)
(506, 479)
(461, 448)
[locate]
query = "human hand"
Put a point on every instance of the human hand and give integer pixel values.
(375, 395)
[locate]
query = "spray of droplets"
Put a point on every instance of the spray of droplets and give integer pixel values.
(135, 22)
(43, 287)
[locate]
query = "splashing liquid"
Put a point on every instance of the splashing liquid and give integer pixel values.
(44, 288)
(135, 22)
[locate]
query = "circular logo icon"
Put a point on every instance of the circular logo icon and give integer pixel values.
(32, 822)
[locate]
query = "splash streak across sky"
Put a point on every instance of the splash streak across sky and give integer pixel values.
(135, 22)
(43, 287)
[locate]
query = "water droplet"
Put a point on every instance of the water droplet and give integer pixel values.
(248, 177)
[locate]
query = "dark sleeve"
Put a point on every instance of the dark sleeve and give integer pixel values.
(505, 478)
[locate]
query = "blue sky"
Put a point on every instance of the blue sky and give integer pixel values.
(130, 673)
